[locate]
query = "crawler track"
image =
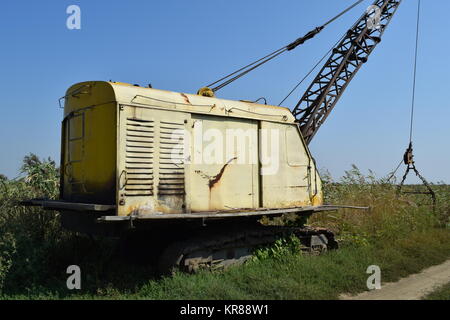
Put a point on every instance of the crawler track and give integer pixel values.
(214, 249)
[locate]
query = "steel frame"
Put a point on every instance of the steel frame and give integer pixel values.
(347, 58)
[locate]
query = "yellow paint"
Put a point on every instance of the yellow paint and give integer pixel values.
(88, 160)
(115, 147)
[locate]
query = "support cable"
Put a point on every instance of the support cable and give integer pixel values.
(311, 71)
(252, 66)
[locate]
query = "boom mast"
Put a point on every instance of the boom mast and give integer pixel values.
(347, 58)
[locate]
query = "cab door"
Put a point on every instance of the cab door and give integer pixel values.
(224, 164)
(286, 177)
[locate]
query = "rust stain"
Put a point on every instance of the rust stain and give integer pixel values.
(203, 175)
(186, 99)
(214, 180)
(131, 209)
(293, 204)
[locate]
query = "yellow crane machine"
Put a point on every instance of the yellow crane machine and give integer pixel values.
(193, 174)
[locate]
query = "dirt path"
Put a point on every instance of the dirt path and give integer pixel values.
(414, 287)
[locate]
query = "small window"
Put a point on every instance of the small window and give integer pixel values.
(76, 127)
(75, 137)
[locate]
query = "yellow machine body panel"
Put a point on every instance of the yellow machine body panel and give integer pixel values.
(88, 154)
(150, 151)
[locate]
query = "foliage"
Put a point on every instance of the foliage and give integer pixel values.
(391, 216)
(28, 236)
(442, 293)
(281, 248)
(396, 233)
(41, 176)
(290, 277)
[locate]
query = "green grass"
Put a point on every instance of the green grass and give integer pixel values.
(290, 277)
(396, 234)
(440, 294)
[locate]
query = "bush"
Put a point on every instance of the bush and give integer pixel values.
(35, 251)
(28, 234)
(390, 216)
(281, 248)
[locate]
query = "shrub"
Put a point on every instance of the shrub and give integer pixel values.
(27, 234)
(390, 216)
(34, 250)
(281, 248)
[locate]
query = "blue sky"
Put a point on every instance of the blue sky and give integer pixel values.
(183, 45)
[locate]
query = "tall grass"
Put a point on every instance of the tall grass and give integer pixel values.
(28, 236)
(35, 251)
(391, 215)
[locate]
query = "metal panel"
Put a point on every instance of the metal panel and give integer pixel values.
(223, 176)
(306, 210)
(171, 158)
(88, 162)
(139, 157)
(151, 161)
(291, 185)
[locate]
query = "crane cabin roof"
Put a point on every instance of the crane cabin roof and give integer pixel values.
(101, 92)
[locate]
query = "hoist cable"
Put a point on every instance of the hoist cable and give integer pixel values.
(252, 66)
(409, 157)
(413, 102)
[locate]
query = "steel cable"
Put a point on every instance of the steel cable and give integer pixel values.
(415, 74)
(243, 71)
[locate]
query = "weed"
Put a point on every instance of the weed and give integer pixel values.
(396, 234)
(281, 248)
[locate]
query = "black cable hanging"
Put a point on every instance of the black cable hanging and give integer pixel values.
(408, 157)
(209, 89)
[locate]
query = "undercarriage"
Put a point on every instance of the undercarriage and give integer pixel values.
(194, 241)
(214, 248)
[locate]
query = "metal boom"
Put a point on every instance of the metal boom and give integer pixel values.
(347, 58)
